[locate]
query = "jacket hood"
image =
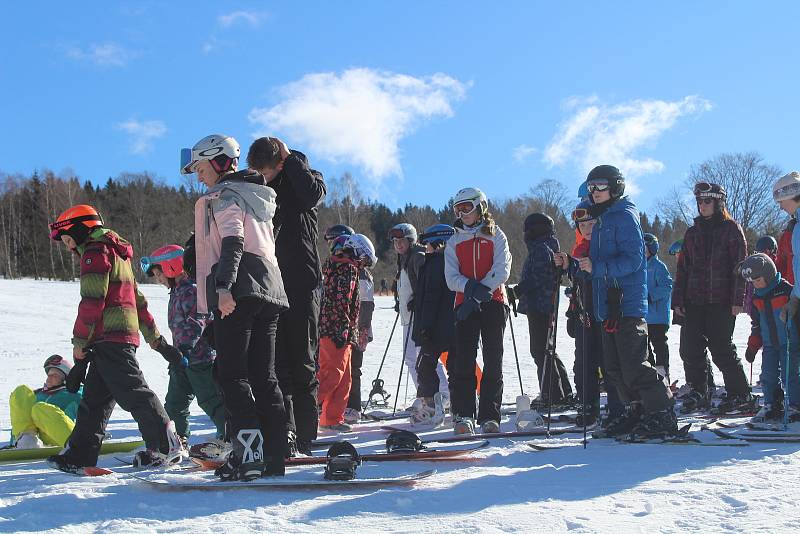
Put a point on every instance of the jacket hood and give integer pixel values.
(247, 189)
(111, 239)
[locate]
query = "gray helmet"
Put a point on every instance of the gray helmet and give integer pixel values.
(758, 266)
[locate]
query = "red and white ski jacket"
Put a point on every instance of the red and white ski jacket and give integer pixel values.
(472, 254)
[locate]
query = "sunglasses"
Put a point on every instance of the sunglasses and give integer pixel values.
(464, 208)
(705, 201)
(597, 186)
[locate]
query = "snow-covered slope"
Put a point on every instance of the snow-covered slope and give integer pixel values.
(607, 487)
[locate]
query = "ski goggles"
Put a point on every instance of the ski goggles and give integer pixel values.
(464, 208)
(439, 236)
(581, 215)
(186, 159)
(597, 186)
(708, 190)
(148, 262)
(57, 228)
(786, 192)
(397, 233)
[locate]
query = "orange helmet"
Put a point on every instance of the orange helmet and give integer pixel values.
(76, 222)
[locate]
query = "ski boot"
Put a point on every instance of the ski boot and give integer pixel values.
(768, 413)
(463, 425)
(490, 427)
(694, 401)
(654, 426)
(246, 460)
(622, 424)
(588, 417)
(735, 404)
(526, 419)
(351, 416)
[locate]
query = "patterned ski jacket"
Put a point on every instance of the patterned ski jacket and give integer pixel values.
(707, 263)
(186, 325)
(472, 254)
(537, 283)
(112, 308)
(338, 315)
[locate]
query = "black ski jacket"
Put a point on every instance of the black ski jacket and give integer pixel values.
(434, 316)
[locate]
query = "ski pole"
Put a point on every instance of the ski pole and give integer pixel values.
(402, 361)
(514, 343)
(751, 374)
(377, 387)
(584, 320)
(786, 374)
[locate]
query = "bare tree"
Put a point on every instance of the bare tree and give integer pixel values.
(553, 194)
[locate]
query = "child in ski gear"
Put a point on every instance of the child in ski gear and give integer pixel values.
(619, 290)
(709, 296)
(410, 258)
(111, 313)
(477, 265)
(238, 279)
(192, 376)
(433, 325)
(771, 334)
(767, 245)
(338, 330)
(659, 296)
(586, 329)
(538, 296)
(45, 416)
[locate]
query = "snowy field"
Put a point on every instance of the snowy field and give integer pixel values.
(608, 487)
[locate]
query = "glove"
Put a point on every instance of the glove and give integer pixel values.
(477, 291)
(511, 291)
(77, 375)
(171, 354)
(467, 307)
(790, 310)
(754, 343)
(572, 323)
(614, 303)
(208, 334)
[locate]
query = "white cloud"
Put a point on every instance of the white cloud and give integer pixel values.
(598, 133)
(103, 54)
(360, 115)
(251, 18)
(142, 134)
(523, 152)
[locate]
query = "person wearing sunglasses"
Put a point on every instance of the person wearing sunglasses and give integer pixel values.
(477, 265)
(619, 290)
(299, 191)
(111, 313)
(46, 416)
(709, 295)
(239, 281)
(769, 332)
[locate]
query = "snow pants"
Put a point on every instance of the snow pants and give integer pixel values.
(488, 324)
(245, 372)
(428, 378)
(559, 387)
(589, 356)
(334, 381)
(625, 357)
(773, 366)
(356, 360)
(711, 325)
(30, 415)
(296, 362)
(186, 384)
(114, 378)
(658, 348)
(411, 354)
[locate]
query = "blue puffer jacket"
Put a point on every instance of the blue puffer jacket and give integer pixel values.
(659, 292)
(617, 254)
(537, 283)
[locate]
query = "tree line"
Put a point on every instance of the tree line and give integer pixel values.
(150, 213)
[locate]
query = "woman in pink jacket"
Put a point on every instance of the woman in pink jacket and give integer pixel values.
(238, 280)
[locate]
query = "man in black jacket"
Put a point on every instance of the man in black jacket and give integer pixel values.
(300, 190)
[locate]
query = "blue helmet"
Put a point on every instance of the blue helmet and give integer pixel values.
(583, 191)
(675, 248)
(766, 243)
(651, 242)
(438, 233)
(582, 212)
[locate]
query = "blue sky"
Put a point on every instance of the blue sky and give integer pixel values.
(415, 99)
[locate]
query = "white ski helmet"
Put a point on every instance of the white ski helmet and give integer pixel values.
(474, 196)
(787, 187)
(221, 150)
(362, 248)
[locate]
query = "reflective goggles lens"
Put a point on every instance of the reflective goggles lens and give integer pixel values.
(464, 208)
(702, 187)
(581, 214)
(597, 186)
(396, 233)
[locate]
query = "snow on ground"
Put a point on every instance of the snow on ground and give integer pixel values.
(608, 487)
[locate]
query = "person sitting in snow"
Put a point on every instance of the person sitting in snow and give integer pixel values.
(45, 416)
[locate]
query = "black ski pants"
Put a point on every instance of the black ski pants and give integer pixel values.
(427, 377)
(356, 361)
(560, 386)
(658, 348)
(245, 370)
(625, 356)
(114, 378)
(296, 363)
(488, 324)
(711, 325)
(589, 356)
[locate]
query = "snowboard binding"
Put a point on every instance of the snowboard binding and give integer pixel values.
(377, 389)
(402, 441)
(343, 459)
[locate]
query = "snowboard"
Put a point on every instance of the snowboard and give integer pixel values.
(495, 435)
(450, 453)
(757, 437)
(27, 455)
(380, 415)
(302, 481)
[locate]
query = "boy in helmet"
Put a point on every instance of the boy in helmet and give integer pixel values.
(45, 416)
(111, 313)
(659, 296)
(191, 376)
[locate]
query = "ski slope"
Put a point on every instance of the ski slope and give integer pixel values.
(609, 487)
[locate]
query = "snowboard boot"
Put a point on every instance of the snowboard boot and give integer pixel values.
(153, 458)
(622, 424)
(351, 416)
(656, 425)
(64, 463)
(526, 419)
(769, 413)
(463, 425)
(29, 440)
(588, 417)
(246, 460)
(490, 427)
(694, 401)
(215, 449)
(734, 404)
(338, 427)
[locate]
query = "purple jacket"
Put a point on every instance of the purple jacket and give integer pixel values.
(185, 326)
(707, 263)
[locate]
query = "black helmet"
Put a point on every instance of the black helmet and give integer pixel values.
(766, 243)
(537, 225)
(336, 230)
(609, 175)
(709, 190)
